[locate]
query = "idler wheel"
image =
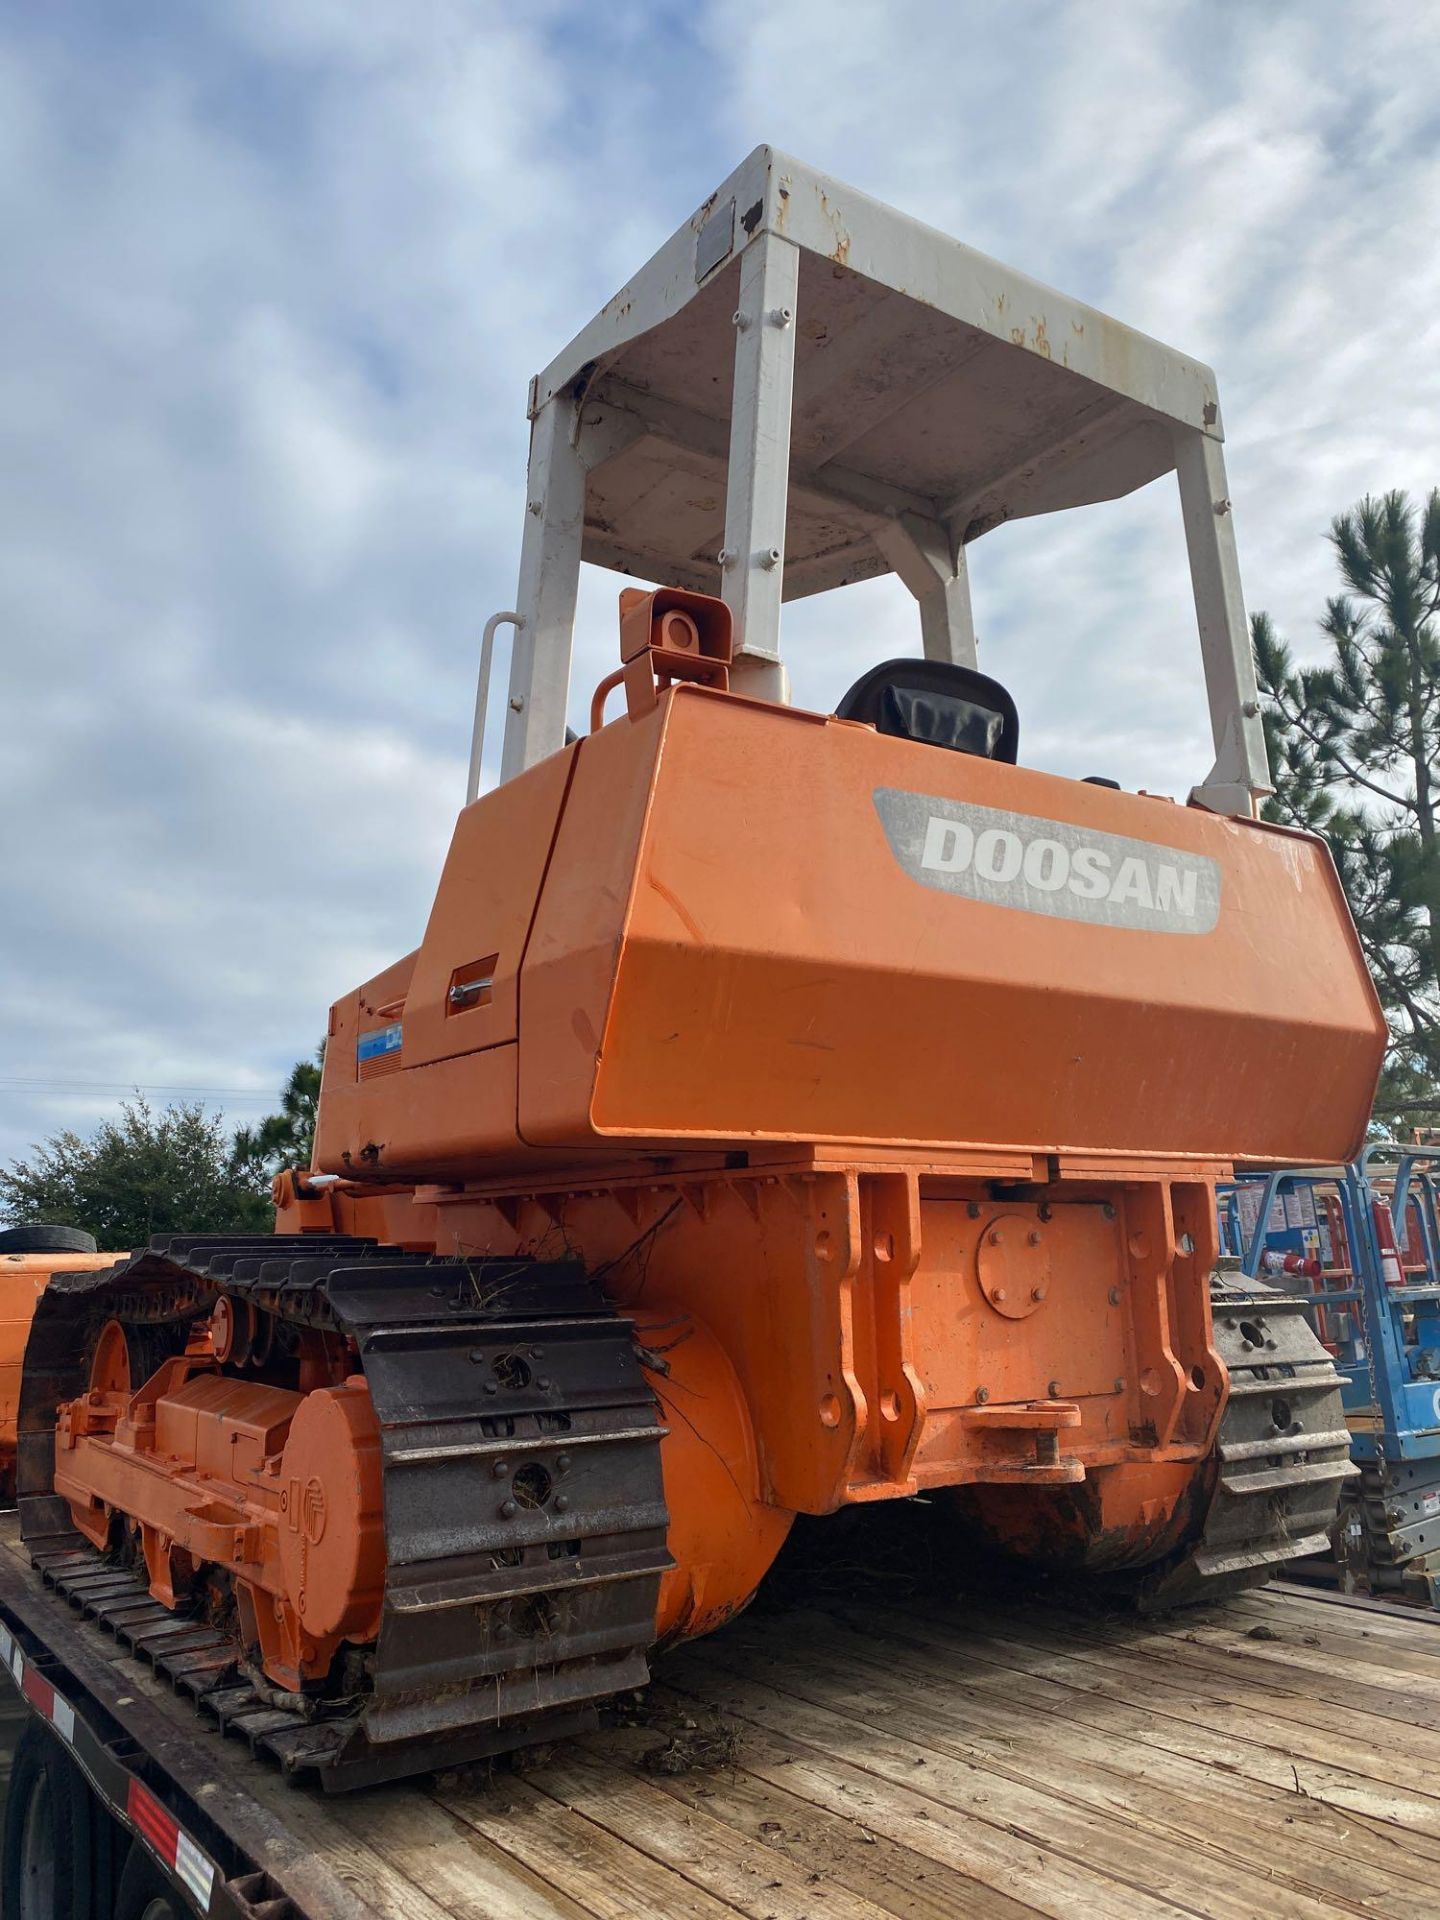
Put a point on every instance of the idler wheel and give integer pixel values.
(332, 1529)
(232, 1330)
(125, 1357)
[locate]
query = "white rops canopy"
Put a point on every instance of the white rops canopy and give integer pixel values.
(804, 388)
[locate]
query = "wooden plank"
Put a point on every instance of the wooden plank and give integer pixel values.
(1280, 1698)
(826, 1846)
(1218, 1724)
(1348, 1636)
(1350, 1659)
(1369, 1657)
(1290, 1694)
(373, 1879)
(1181, 1632)
(603, 1875)
(467, 1874)
(752, 1880)
(1013, 1860)
(1384, 1606)
(1093, 1748)
(1007, 1859)
(1167, 1801)
(1137, 1862)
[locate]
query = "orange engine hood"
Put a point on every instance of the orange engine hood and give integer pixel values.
(748, 923)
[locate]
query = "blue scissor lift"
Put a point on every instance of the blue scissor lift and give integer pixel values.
(1374, 1229)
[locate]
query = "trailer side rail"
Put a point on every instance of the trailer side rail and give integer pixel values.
(172, 1792)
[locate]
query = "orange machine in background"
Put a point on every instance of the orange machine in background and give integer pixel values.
(28, 1257)
(782, 1110)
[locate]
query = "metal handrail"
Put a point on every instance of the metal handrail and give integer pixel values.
(482, 696)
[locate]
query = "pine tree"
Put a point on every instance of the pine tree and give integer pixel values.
(1355, 755)
(286, 1138)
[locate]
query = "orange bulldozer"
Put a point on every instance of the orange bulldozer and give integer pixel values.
(783, 1109)
(28, 1257)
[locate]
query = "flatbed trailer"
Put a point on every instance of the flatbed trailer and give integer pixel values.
(845, 1760)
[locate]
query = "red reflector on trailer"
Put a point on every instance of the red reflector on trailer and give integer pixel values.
(160, 1828)
(37, 1689)
(194, 1868)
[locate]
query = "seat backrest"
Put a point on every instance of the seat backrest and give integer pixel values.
(938, 704)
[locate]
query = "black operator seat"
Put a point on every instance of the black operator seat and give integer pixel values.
(938, 704)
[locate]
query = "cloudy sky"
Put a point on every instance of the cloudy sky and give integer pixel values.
(276, 273)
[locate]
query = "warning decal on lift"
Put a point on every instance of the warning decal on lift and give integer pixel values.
(1049, 866)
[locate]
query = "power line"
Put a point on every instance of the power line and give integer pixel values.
(132, 1086)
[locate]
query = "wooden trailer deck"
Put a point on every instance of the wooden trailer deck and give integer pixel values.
(1279, 1756)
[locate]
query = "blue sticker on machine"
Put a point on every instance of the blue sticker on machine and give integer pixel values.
(383, 1040)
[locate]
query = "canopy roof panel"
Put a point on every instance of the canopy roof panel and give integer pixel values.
(803, 388)
(928, 379)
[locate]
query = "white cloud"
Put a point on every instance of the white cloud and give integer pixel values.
(280, 275)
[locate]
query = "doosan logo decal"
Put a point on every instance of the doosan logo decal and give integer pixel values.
(1049, 866)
